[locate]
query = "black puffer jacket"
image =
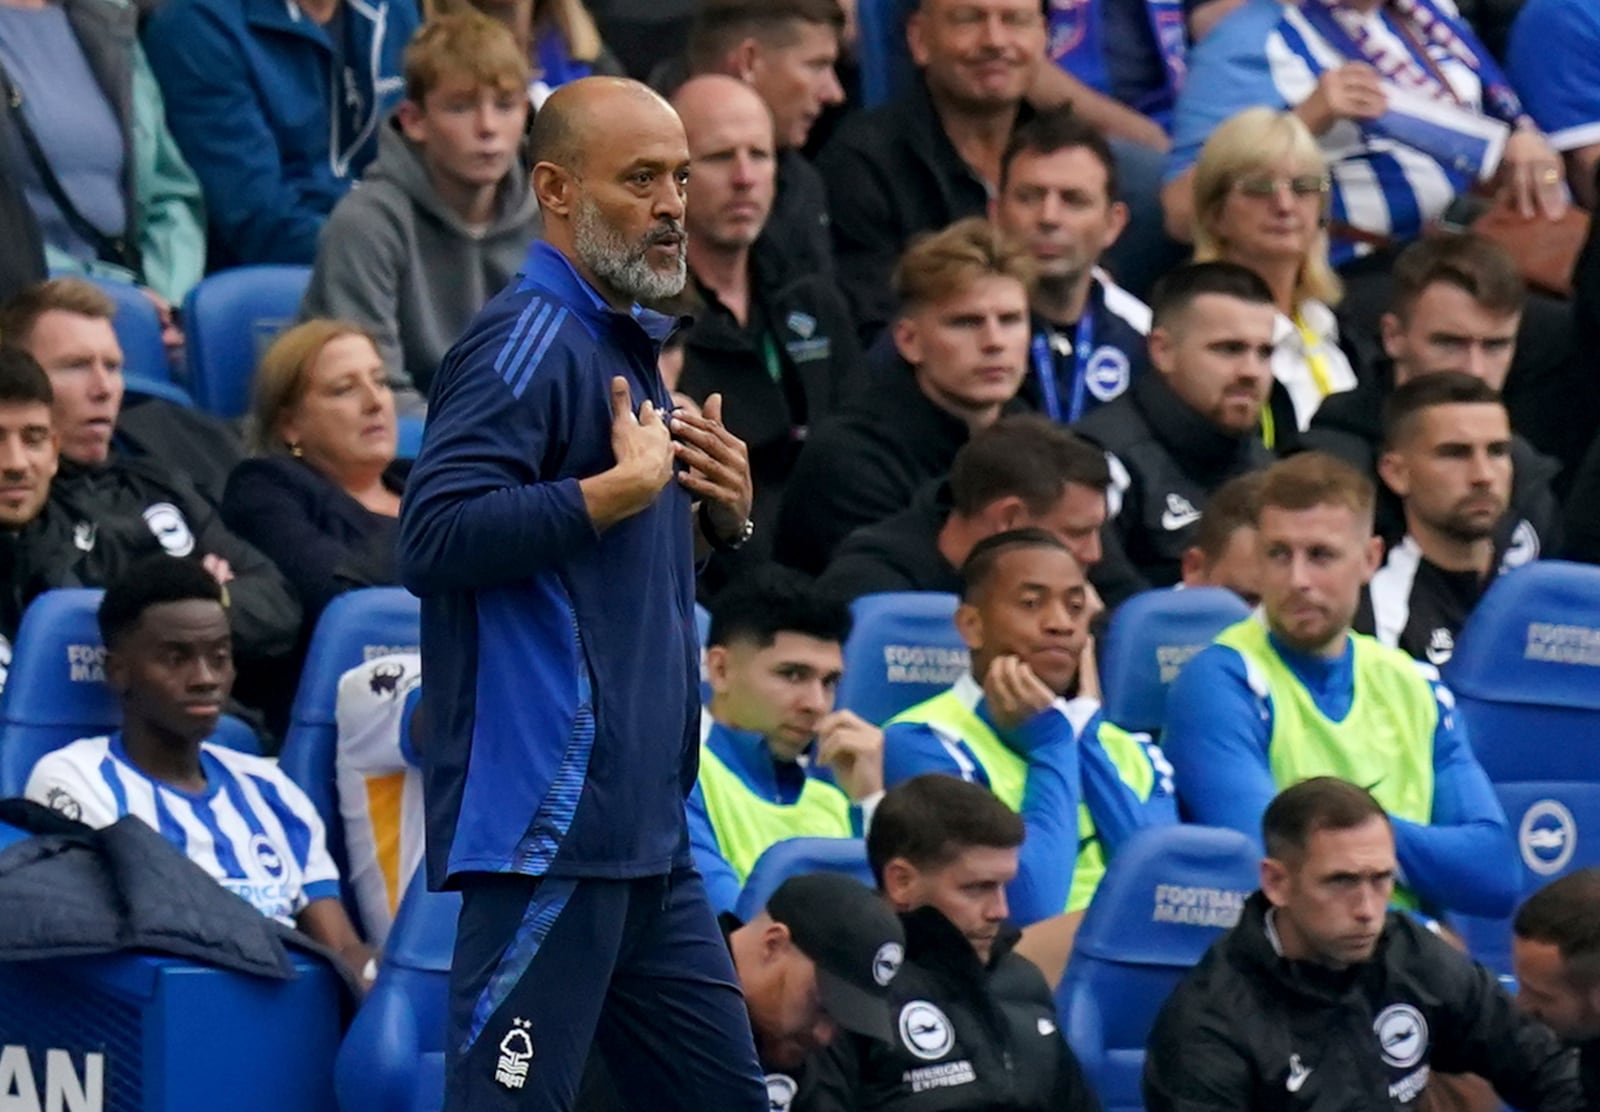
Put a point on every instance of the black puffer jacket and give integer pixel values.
(970, 1036)
(1171, 460)
(1249, 1029)
(128, 509)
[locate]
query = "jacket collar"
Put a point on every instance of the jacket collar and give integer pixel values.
(1255, 946)
(285, 16)
(933, 942)
(548, 269)
(748, 756)
(1184, 432)
(931, 144)
(892, 395)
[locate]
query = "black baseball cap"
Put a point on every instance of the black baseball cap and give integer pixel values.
(855, 940)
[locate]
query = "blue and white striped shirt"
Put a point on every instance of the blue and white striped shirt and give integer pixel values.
(1268, 53)
(251, 828)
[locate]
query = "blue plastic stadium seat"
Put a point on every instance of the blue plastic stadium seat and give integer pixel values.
(797, 857)
(139, 385)
(230, 319)
(138, 329)
(1557, 829)
(1526, 674)
(356, 626)
(55, 692)
(392, 1058)
(1526, 680)
(903, 649)
(142, 1033)
(1166, 897)
(1151, 637)
(885, 60)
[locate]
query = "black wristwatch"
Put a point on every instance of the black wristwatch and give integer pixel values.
(718, 544)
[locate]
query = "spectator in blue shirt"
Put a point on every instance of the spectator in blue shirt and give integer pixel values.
(776, 759)
(276, 104)
(1335, 63)
(1290, 693)
(1554, 61)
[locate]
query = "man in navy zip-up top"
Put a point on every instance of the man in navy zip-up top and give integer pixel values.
(550, 535)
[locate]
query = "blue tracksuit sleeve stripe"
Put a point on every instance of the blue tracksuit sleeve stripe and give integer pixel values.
(722, 883)
(912, 748)
(1116, 808)
(1464, 860)
(1216, 736)
(1050, 816)
(477, 514)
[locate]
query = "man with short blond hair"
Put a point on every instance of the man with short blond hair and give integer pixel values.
(962, 339)
(444, 215)
(1291, 692)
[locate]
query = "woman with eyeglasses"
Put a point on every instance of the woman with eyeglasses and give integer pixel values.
(1261, 200)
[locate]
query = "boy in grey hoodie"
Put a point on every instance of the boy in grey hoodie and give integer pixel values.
(444, 217)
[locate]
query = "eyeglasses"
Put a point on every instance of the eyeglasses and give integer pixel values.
(1301, 185)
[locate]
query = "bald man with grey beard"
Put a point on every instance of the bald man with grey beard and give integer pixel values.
(548, 528)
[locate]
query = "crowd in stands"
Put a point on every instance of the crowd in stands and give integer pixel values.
(1103, 298)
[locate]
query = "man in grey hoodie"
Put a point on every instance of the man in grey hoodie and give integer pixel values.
(444, 217)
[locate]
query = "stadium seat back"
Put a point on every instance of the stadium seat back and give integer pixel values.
(1166, 897)
(55, 691)
(903, 649)
(1151, 637)
(392, 1058)
(885, 60)
(798, 857)
(230, 319)
(138, 329)
(1556, 826)
(356, 626)
(1526, 674)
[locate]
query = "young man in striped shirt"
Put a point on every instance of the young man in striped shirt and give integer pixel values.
(169, 658)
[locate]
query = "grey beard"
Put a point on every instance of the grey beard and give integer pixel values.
(622, 265)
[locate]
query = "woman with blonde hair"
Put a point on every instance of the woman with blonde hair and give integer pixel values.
(559, 36)
(1261, 200)
(321, 496)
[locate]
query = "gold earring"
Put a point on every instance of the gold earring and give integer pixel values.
(294, 450)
